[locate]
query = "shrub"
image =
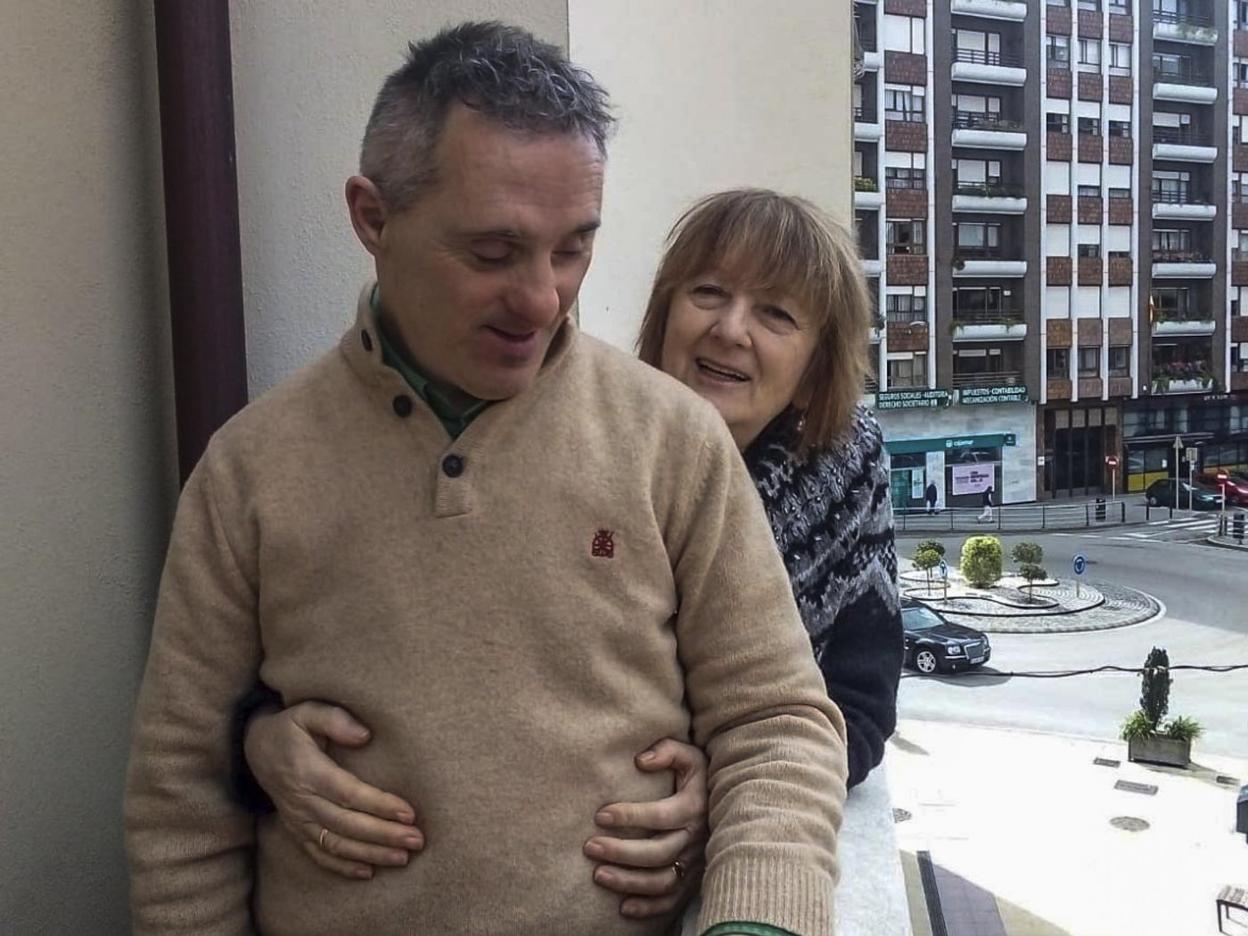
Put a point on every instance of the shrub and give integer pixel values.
(1155, 686)
(925, 560)
(1028, 554)
(981, 561)
(1136, 727)
(1032, 573)
(1182, 728)
(936, 545)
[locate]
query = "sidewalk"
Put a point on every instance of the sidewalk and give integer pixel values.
(1008, 833)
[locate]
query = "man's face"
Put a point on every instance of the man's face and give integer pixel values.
(479, 274)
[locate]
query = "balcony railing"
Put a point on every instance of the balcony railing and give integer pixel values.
(985, 253)
(1182, 315)
(976, 57)
(988, 379)
(1183, 197)
(971, 120)
(1180, 256)
(1182, 19)
(1181, 136)
(906, 116)
(895, 182)
(987, 316)
(990, 189)
(1183, 76)
(907, 316)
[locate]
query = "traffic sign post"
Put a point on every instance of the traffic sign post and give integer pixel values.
(1111, 462)
(1178, 450)
(1080, 565)
(944, 577)
(1223, 477)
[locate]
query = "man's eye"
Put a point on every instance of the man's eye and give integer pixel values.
(492, 253)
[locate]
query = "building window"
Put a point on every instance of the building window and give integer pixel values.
(1171, 240)
(1171, 187)
(902, 177)
(905, 33)
(1169, 65)
(1120, 56)
(974, 238)
(1089, 362)
(1089, 251)
(1120, 6)
(908, 371)
(1120, 193)
(982, 300)
(1058, 51)
(1090, 126)
(1120, 128)
(1241, 14)
(1239, 188)
(1094, 5)
(1119, 362)
(905, 308)
(1239, 72)
(1057, 363)
(904, 104)
(907, 237)
(1089, 191)
(1057, 123)
(1170, 302)
(1090, 52)
(976, 173)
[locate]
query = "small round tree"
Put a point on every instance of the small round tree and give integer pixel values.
(925, 560)
(936, 545)
(1027, 554)
(981, 561)
(1032, 573)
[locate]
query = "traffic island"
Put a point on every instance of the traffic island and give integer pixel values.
(1048, 606)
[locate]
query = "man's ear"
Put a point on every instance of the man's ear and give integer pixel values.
(368, 212)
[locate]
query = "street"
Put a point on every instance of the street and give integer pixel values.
(1204, 591)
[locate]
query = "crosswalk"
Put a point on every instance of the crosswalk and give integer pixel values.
(1181, 528)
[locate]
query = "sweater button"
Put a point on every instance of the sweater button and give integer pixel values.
(402, 406)
(452, 466)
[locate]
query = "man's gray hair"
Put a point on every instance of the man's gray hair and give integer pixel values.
(503, 72)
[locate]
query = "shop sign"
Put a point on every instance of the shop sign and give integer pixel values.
(978, 395)
(912, 399)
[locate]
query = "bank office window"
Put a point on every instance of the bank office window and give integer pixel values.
(1089, 362)
(906, 370)
(1090, 126)
(1057, 363)
(907, 237)
(1090, 52)
(1058, 50)
(1120, 362)
(906, 104)
(1057, 123)
(902, 177)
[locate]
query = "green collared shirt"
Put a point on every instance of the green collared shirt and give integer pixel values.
(455, 417)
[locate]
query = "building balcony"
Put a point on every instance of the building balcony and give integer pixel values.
(1182, 264)
(1194, 323)
(1182, 206)
(872, 60)
(987, 131)
(1184, 27)
(1015, 10)
(989, 198)
(988, 68)
(1182, 378)
(867, 126)
(1187, 87)
(973, 379)
(1183, 144)
(995, 325)
(971, 262)
(872, 267)
(867, 194)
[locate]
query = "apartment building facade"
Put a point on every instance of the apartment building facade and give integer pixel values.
(1052, 204)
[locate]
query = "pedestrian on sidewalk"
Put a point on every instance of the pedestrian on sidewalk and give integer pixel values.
(930, 495)
(986, 515)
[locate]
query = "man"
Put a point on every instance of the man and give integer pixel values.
(931, 495)
(518, 555)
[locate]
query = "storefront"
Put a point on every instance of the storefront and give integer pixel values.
(1214, 425)
(963, 449)
(1076, 440)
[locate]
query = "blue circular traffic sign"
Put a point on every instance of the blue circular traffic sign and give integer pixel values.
(1081, 564)
(944, 569)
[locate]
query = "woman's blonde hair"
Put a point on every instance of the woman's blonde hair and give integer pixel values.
(762, 240)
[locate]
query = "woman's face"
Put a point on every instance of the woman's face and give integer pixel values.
(744, 351)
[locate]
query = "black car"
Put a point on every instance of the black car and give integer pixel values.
(1161, 494)
(934, 645)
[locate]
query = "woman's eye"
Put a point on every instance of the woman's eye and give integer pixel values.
(780, 315)
(709, 291)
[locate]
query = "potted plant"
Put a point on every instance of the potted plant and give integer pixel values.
(1148, 738)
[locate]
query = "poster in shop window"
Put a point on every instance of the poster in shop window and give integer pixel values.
(972, 479)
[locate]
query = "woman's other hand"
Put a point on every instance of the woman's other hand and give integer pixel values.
(656, 874)
(345, 825)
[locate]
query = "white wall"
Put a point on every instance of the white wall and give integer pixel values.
(305, 76)
(710, 96)
(87, 474)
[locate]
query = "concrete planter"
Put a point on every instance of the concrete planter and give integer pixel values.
(1160, 750)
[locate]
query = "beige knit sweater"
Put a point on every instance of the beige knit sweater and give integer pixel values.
(598, 575)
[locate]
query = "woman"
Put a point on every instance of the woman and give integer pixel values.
(760, 307)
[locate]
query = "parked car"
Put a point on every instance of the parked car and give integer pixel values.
(1161, 494)
(1236, 487)
(936, 645)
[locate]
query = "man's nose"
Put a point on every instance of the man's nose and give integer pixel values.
(535, 294)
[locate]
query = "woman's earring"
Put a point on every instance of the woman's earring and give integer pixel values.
(801, 423)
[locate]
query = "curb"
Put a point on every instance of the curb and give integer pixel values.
(1065, 622)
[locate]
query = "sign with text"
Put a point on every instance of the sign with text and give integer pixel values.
(912, 399)
(972, 479)
(977, 395)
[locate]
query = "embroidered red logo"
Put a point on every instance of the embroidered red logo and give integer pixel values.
(603, 546)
